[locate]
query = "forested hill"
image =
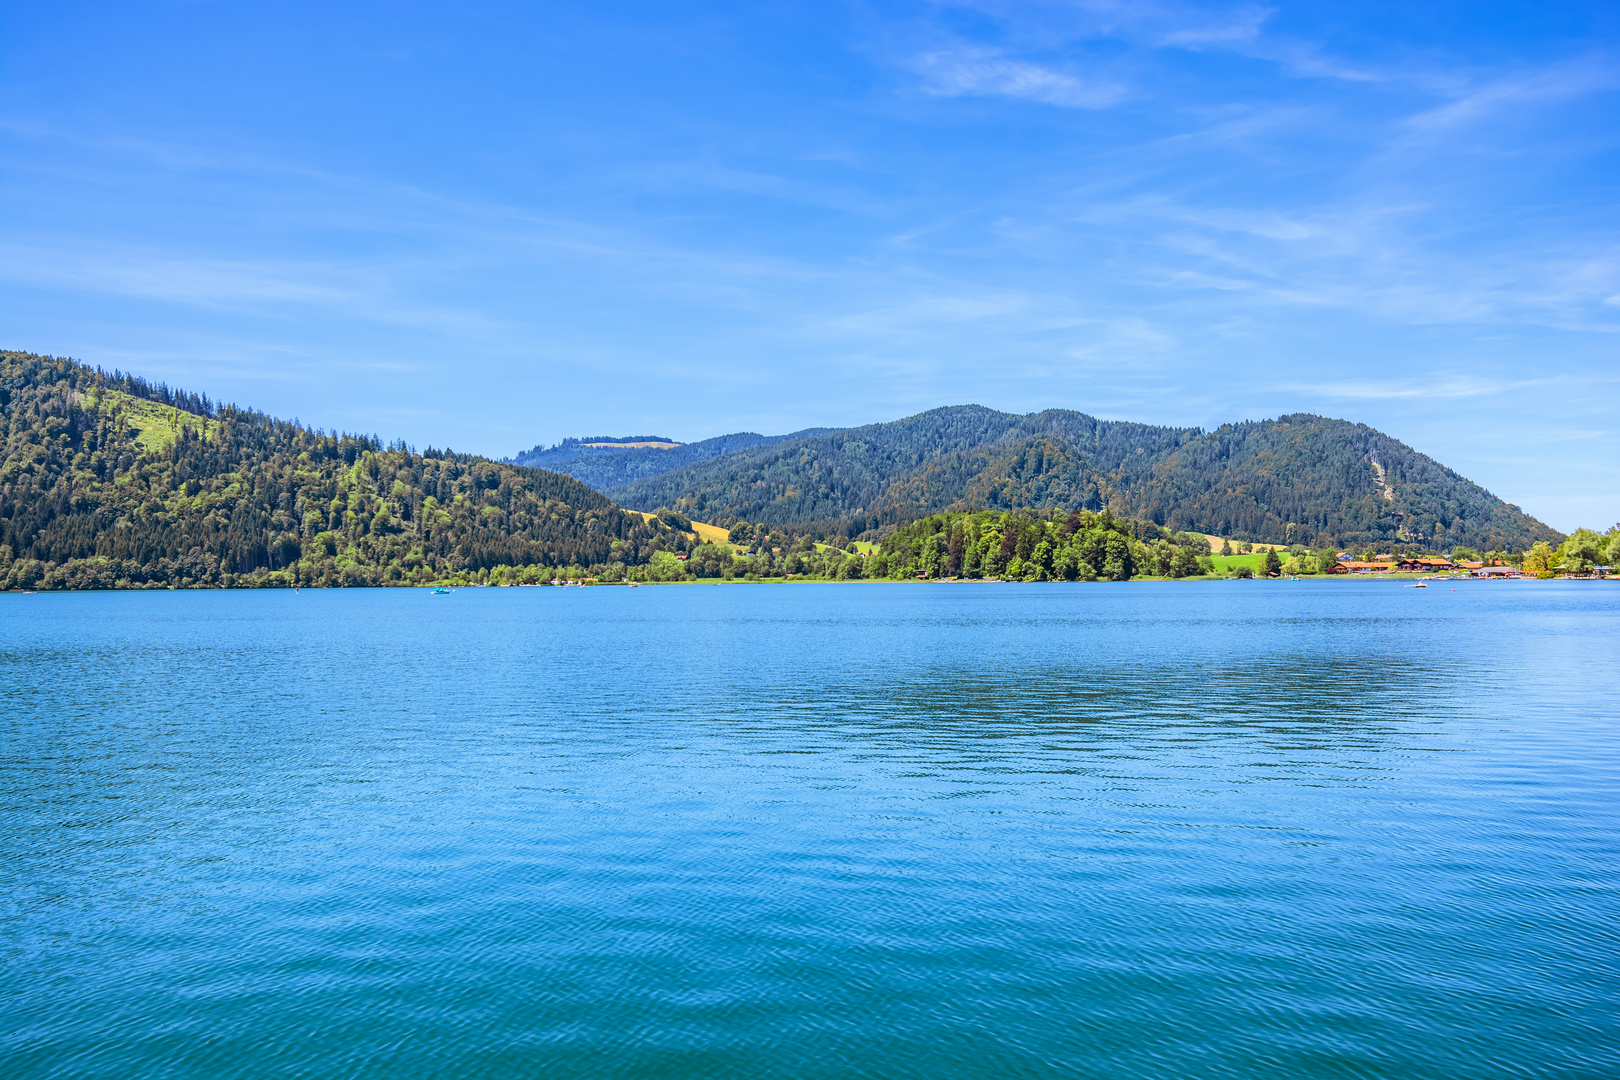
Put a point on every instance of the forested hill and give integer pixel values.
(885, 474)
(1296, 479)
(110, 481)
(613, 462)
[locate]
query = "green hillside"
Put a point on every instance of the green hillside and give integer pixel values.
(109, 481)
(1297, 479)
(1308, 479)
(850, 475)
(606, 462)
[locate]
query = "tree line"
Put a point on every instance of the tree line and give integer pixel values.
(1580, 552)
(109, 481)
(1044, 545)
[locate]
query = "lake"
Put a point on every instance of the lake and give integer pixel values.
(1222, 829)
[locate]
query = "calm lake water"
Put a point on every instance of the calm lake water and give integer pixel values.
(1235, 829)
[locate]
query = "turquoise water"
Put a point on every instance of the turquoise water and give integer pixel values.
(1147, 830)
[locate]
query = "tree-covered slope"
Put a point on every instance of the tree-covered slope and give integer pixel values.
(1301, 478)
(848, 475)
(1046, 471)
(108, 481)
(1297, 479)
(604, 467)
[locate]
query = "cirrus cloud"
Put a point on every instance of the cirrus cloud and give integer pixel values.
(982, 72)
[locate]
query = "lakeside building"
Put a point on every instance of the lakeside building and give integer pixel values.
(1423, 564)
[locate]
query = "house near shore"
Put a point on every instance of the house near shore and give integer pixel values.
(1423, 564)
(1426, 564)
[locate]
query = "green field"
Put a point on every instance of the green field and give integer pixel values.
(1225, 564)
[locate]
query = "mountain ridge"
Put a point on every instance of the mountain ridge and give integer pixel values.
(1297, 478)
(605, 466)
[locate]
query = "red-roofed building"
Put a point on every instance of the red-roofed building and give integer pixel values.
(1423, 564)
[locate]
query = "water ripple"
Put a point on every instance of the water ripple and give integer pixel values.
(1332, 829)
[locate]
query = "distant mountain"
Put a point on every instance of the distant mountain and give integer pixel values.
(1298, 478)
(592, 445)
(605, 462)
(108, 481)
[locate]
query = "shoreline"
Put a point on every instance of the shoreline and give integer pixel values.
(1404, 578)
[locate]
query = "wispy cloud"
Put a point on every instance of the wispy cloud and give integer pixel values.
(1560, 82)
(983, 72)
(1153, 22)
(379, 290)
(1442, 387)
(1175, 28)
(698, 173)
(1039, 29)
(1149, 25)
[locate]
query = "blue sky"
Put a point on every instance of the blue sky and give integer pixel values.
(491, 225)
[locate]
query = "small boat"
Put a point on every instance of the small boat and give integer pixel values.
(634, 584)
(442, 591)
(1418, 585)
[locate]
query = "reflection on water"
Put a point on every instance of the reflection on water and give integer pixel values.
(1198, 829)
